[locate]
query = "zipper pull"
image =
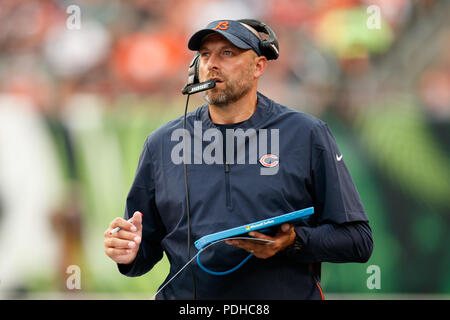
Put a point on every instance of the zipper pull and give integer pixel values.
(227, 167)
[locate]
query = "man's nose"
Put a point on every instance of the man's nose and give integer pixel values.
(212, 63)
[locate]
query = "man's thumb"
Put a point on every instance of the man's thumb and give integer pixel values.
(137, 219)
(285, 227)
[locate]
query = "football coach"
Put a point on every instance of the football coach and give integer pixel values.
(308, 170)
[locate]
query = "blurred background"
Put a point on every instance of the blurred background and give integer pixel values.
(82, 84)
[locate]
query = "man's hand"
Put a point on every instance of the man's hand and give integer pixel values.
(282, 239)
(122, 246)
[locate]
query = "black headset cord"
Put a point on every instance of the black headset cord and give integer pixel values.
(188, 213)
(189, 89)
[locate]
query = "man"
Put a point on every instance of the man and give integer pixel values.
(310, 171)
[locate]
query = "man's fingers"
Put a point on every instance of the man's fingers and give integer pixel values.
(247, 245)
(286, 227)
(250, 245)
(123, 224)
(120, 244)
(260, 235)
(125, 235)
(237, 243)
(264, 249)
(114, 252)
(259, 250)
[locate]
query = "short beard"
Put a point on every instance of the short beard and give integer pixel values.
(233, 91)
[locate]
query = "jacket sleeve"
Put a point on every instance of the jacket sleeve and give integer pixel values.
(341, 231)
(348, 242)
(141, 197)
(336, 199)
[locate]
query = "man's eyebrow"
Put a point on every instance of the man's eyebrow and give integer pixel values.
(227, 46)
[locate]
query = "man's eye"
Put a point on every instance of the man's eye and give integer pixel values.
(227, 53)
(204, 54)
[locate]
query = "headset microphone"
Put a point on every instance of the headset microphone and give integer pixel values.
(198, 87)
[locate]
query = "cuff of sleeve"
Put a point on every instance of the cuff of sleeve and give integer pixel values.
(125, 268)
(295, 248)
(301, 233)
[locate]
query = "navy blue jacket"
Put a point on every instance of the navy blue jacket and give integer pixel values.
(310, 172)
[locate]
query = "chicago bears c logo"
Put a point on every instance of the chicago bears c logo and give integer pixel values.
(222, 25)
(269, 160)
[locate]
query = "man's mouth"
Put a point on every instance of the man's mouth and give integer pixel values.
(218, 80)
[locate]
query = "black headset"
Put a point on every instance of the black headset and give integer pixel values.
(268, 47)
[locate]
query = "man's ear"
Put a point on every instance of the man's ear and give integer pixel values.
(260, 65)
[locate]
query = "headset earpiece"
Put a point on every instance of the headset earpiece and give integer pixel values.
(269, 47)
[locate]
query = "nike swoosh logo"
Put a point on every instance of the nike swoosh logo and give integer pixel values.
(339, 158)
